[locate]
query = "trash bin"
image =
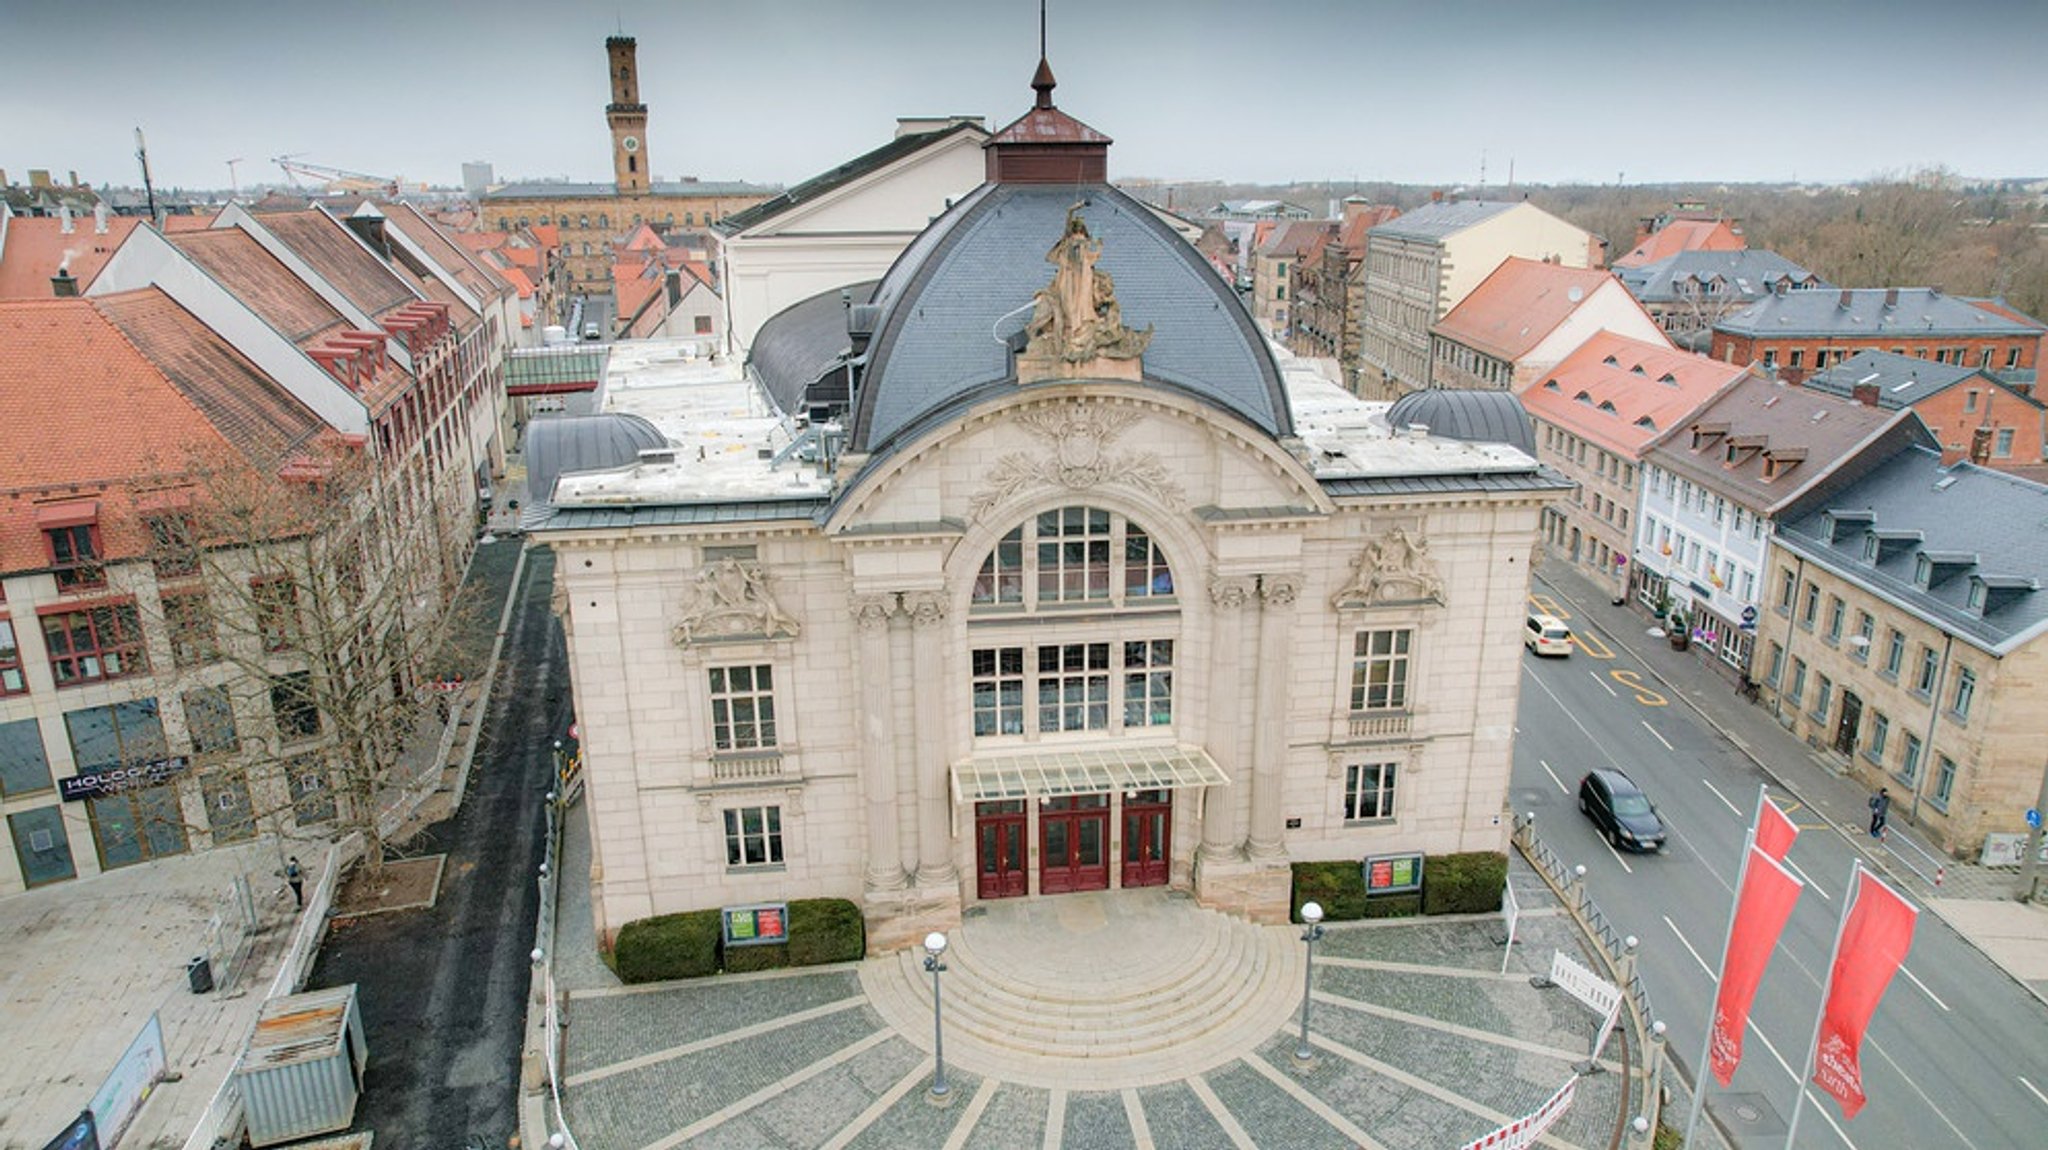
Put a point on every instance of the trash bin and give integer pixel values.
(199, 972)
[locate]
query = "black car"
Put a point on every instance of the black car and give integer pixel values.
(1620, 810)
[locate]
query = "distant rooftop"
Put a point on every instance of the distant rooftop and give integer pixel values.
(1745, 275)
(1434, 221)
(567, 189)
(1900, 380)
(1852, 312)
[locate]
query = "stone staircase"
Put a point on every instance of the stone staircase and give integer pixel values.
(1099, 990)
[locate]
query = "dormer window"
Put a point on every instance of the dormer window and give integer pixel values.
(1977, 596)
(71, 534)
(1610, 361)
(1870, 547)
(1923, 569)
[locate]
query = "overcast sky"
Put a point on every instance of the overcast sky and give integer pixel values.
(1413, 91)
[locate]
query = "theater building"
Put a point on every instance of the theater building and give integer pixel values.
(1083, 588)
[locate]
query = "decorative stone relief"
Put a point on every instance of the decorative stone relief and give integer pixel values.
(730, 598)
(1230, 592)
(1395, 568)
(792, 802)
(1077, 327)
(925, 608)
(703, 808)
(1077, 437)
(873, 611)
(1279, 590)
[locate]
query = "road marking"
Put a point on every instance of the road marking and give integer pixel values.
(1656, 736)
(1545, 605)
(1603, 682)
(1688, 946)
(2032, 1091)
(1923, 986)
(1722, 797)
(1641, 690)
(1807, 879)
(1592, 646)
(1553, 776)
(1567, 711)
(1617, 854)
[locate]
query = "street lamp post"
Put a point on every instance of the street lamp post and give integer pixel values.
(1311, 914)
(940, 1091)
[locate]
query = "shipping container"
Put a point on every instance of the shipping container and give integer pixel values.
(302, 1071)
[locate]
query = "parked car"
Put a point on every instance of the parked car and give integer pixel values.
(590, 331)
(1547, 635)
(1620, 810)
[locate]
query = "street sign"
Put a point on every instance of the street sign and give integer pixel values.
(2034, 817)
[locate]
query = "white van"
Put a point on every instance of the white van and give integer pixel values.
(1547, 635)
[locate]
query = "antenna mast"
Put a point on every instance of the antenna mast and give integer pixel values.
(1041, 29)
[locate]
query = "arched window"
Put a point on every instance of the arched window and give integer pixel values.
(1089, 672)
(582, 221)
(604, 221)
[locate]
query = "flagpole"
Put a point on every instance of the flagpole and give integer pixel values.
(1699, 1073)
(1820, 1014)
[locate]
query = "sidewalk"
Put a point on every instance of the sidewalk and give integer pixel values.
(83, 964)
(1975, 901)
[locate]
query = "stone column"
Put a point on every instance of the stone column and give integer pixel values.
(877, 741)
(1269, 717)
(929, 703)
(1221, 833)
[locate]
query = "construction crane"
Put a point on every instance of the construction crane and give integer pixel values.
(341, 179)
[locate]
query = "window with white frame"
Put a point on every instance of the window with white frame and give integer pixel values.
(1966, 693)
(742, 708)
(1880, 733)
(1072, 556)
(1930, 667)
(1909, 764)
(753, 837)
(1944, 780)
(1379, 669)
(1894, 653)
(1369, 792)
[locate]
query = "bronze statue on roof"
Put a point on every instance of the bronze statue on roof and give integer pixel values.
(1077, 329)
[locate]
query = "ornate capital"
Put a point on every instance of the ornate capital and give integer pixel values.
(730, 598)
(1230, 591)
(1395, 568)
(872, 611)
(1077, 456)
(1279, 590)
(926, 608)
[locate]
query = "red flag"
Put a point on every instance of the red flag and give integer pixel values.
(1876, 934)
(1774, 832)
(1768, 892)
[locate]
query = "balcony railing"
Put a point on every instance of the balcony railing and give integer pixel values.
(1381, 725)
(746, 768)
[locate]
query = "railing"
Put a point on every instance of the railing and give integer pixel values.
(1936, 868)
(1644, 1032)
(544, 974)
(1365, 725)
(745, 768)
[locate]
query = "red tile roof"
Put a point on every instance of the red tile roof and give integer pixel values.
(37, 245)
(1684, 236)
(1523, 301)
(254, 276)
(1352, 235)
(1621, 393)
(480, 281)
(339, 258)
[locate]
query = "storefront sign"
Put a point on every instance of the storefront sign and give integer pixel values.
(756, 925)
(80, 1135)
(113, 782)
(1393, 874)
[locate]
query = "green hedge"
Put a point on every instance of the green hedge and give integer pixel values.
(669, 946)
(1464, 883)
(689, 945)
(1451, 884)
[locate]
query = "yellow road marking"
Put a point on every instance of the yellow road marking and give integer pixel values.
(1634, 682)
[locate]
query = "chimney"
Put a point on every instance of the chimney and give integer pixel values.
(64, 285)
(39, 177)
(1864, 393)
(74, 177)
(1891, 298)
(1437, 196)
(1779, 287)
(3, 179)
(64, 219)
(1980, 446)
(99, 218)
(1847, 295)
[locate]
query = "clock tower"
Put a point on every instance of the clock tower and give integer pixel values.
(627, 117)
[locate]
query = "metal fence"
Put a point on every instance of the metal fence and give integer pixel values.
(544, 947)
(1643, 1032)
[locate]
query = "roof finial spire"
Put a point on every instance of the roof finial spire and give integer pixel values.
(1042, 81)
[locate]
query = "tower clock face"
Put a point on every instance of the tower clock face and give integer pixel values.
(630, 143)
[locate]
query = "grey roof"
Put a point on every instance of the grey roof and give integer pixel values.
(1472, 416)
(1748, 274)
(680, 514)
(567, 189)
(955, 295)
(845, 173)
(1918, 312)
(1434, 221)
(1901, 380)
(2000, 520)
(801, 342)
(562, 444)
(1384, 486)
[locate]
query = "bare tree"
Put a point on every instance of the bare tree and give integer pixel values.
(305, 604)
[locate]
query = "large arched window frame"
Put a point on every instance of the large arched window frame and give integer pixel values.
(1073, 631)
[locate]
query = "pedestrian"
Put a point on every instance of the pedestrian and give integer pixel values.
(295, 877)
(1880, 806)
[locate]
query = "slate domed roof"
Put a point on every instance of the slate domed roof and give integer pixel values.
(1472, 416)
(953, 302)
(560, 445)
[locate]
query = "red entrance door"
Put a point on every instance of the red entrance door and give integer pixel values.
(999, 830)
(1073, 840)
(1148, 816)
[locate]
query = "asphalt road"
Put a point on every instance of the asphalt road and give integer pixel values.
(1957, 1054)
(443, 990)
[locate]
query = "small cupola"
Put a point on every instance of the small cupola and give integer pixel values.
(1045, 145)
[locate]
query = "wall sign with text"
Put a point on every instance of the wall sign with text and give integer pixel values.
(1393, 874)
(756, 925)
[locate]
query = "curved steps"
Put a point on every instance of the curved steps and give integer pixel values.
(1182, 990)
